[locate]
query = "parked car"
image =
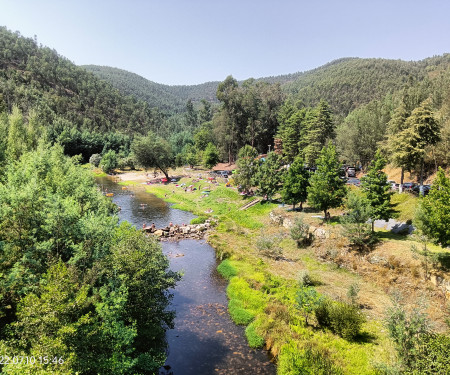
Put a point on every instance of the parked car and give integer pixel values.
(395, 186)
(351, 172)
(426, 189)
(408, 186)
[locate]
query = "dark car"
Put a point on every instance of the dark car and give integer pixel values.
(426, 189)
(408, 185)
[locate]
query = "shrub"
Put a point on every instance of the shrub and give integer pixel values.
(342, 318)
(109, 161)
(308, 299)
(269, 246)
(95, 159)
(238, 313)
(310, 360)
(300, 232)
(346, 320)
(199, 220)
(226, 269)
(254, 340)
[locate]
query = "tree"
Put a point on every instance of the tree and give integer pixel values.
(191, 115)
(377, 190)
(320, 128)
(356, 228)
(426, 133)
(152, 151)
(210, 156)
(246, 167)
(109, 161)
(433, 216)
(326, 190)
(295, 183)
(269, 176)
(397, 141)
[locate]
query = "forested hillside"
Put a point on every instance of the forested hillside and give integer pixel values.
(345, 84)
(169, 99)
(37, 78)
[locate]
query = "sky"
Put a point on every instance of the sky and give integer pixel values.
(178, 42)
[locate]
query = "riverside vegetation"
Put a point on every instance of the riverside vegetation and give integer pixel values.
(318, 308)
(316, 296)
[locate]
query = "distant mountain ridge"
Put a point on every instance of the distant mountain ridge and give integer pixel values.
(345, 83)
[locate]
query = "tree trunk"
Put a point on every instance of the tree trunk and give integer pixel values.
(402, 177)
(373, 226)
(421, 178)
(301, 206)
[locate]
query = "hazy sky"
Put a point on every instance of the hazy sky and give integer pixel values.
(194, 41)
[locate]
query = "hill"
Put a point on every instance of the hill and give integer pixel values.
(37, 78)
(169, 99)
(346, 83)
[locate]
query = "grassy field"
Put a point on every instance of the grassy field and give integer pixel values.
(262, 289)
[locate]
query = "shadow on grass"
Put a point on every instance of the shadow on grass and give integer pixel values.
(387, 235)
(365, 338)
(442, 261)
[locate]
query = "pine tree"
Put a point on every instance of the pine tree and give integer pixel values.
(320, 129)
(269, 176)
(327, 190)
(295, 183)
(247, 167)
(377, 190)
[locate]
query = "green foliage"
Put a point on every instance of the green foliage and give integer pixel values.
(300, 232)
(210, 156)
(355, 223)
(327, 190)
(319, 129)
(362, 130)
(308, 300)
(152, 151)
(245, 302)
(37, 77)
(109, 161)
(269, 176)
(406, 330)
(247, 167)
(95, 159)
(74, 285)
(433, 358)
(309, 361)
(226, 269)
(433, 216)
(254, 340)
(295, 183)
(342, 318)
(199, 220)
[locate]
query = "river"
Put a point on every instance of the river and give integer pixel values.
(204, 341)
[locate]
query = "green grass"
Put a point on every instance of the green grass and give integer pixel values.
(254, 340)
(406, 204)
(226, 269)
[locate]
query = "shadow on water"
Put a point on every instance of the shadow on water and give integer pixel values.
(204, 340)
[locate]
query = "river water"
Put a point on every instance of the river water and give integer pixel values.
(204, 341)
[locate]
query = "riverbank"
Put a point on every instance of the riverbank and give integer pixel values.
(262, 289)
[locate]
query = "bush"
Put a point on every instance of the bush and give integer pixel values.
(269, 246)
(109, 161)
(95, 160)
(199, 220)
(300, 232)
(342, 318)
(126, 162)
(254, 340)
(308, 361)
(238, 313)
(226, 269)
